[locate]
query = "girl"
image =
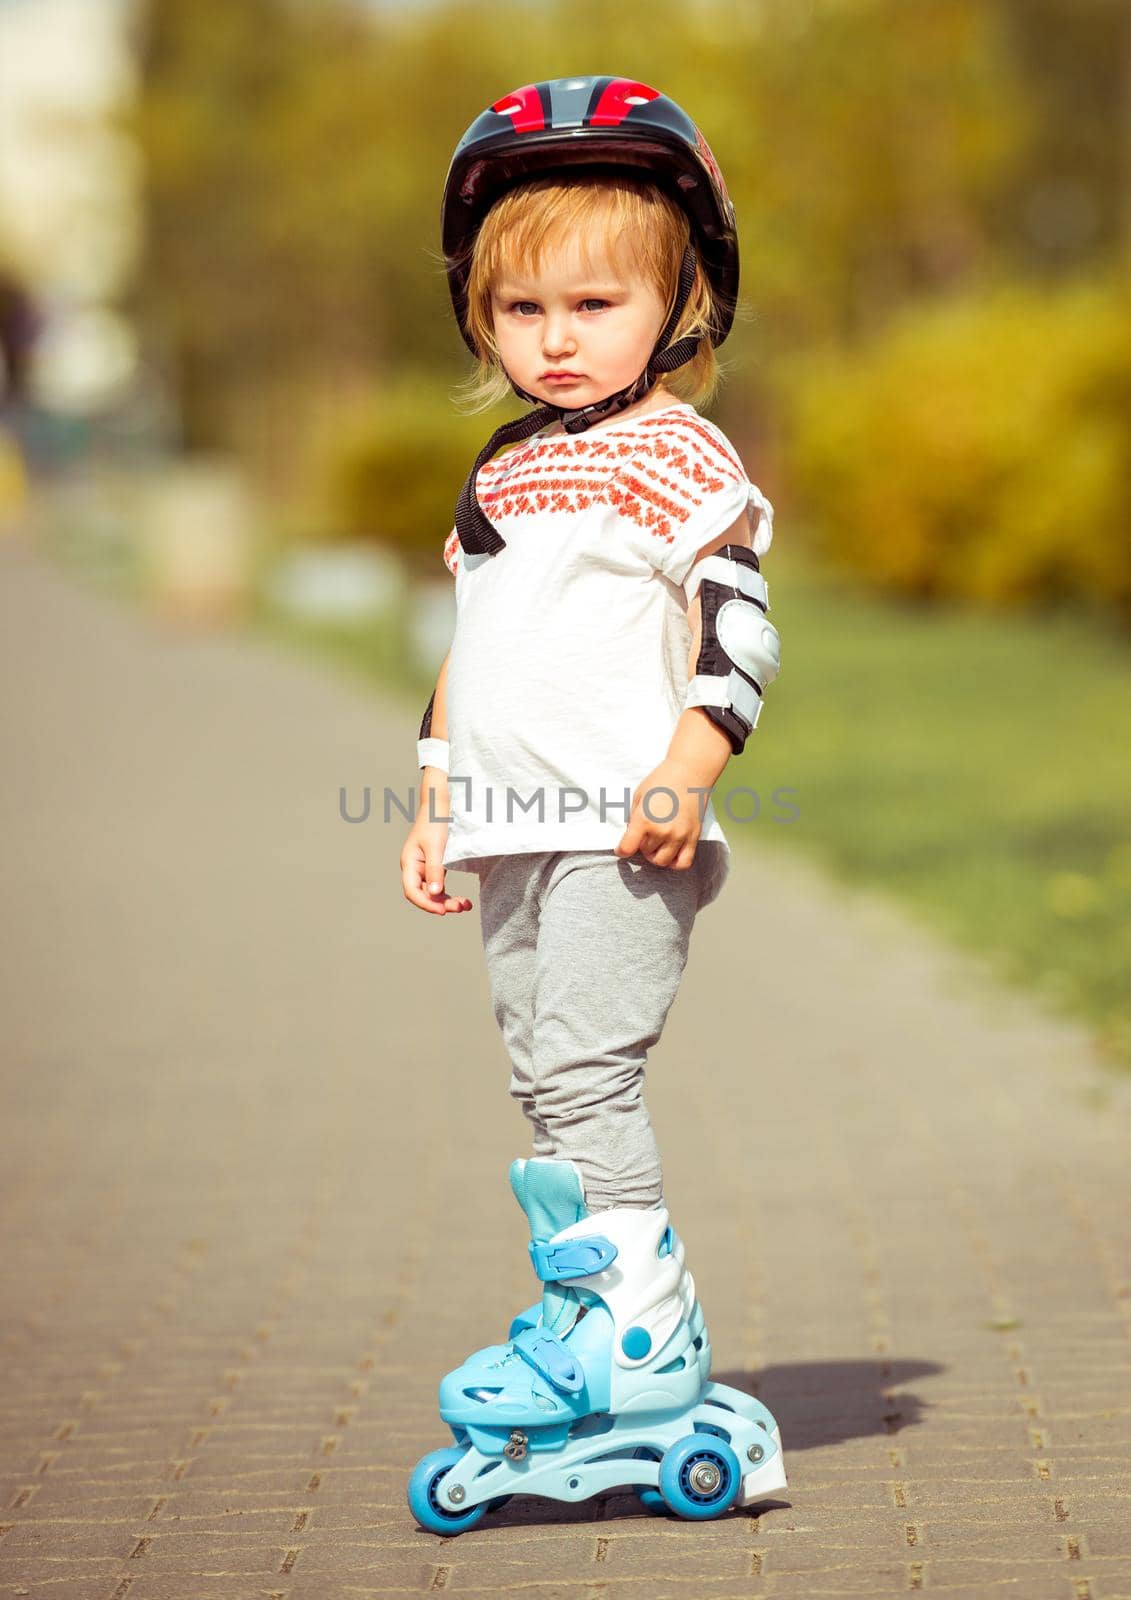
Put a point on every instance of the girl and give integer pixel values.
(610, 653)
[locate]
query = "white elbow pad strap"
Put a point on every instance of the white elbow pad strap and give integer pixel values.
(732, 573)
(740, 651)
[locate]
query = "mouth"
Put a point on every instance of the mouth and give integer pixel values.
(562, 377)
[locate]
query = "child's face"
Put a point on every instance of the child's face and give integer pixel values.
(598, 323)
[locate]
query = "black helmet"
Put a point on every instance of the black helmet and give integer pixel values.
(598, 126)
(570, 127)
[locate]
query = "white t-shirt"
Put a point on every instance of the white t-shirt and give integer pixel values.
(568, 668)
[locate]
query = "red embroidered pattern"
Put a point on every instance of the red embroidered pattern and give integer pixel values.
(451, 551)
(672, 473)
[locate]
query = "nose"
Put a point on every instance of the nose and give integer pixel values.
(557, 335)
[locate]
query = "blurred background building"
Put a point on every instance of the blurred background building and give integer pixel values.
(71, 209)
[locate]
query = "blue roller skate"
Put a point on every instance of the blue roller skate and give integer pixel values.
(603, 1385)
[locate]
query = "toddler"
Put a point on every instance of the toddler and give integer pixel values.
(610, 652)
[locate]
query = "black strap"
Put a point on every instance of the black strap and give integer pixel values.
(477, 533)
(426, 721)
(686, 279)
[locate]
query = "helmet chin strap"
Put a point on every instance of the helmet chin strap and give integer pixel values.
(477, 534)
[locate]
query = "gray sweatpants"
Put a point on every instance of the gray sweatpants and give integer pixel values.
(585, 951)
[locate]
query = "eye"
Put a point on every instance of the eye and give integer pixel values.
(594, 302)
(517, 305)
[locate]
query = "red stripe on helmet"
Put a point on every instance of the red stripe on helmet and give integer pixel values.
(524, 107)
(617, 101)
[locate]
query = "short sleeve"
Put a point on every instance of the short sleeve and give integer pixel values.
(451, 552)
(681, 490)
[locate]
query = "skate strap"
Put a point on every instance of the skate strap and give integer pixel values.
(546, 1353)
(573, 1258)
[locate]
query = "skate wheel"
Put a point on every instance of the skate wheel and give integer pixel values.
(700, 1476)
(648, 1495)
(422, 1498)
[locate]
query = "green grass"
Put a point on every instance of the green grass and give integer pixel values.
(974, 764)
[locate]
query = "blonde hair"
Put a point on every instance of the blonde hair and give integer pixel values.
(634, 220)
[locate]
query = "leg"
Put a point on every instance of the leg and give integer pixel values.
(509, 916)
(612, 946)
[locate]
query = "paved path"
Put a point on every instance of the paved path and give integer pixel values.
(254, 1145)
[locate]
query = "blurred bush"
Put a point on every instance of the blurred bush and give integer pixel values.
(980, 447)
(396, 465)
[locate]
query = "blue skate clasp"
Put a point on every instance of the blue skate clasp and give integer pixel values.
(574, 1258)
(546, 1353)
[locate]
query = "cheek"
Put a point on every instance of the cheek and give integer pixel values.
(505, 339)
(511, 335)
(631, 337)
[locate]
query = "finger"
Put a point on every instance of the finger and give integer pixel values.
(651, 843)
(442, 899)
(670, 851)
(630, 841)
(417, 895)
(439, 907)
(450, 905)
(413, 875)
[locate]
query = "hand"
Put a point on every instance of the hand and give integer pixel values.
(422, 867)
(671, 843)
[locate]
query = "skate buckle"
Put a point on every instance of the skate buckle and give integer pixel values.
(573, 1258)
(515, 1447)
(546, 1353)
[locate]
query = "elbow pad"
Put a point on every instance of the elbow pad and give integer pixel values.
(431, 752)
(740, 651)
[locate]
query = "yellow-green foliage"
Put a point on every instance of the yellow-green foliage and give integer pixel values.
(979, 448)
(397, 467)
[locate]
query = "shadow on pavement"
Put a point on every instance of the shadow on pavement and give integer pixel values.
(824, 1402)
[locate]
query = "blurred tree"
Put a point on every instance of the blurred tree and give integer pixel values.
(1070, 206)
(257, 264)
(885, 133)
